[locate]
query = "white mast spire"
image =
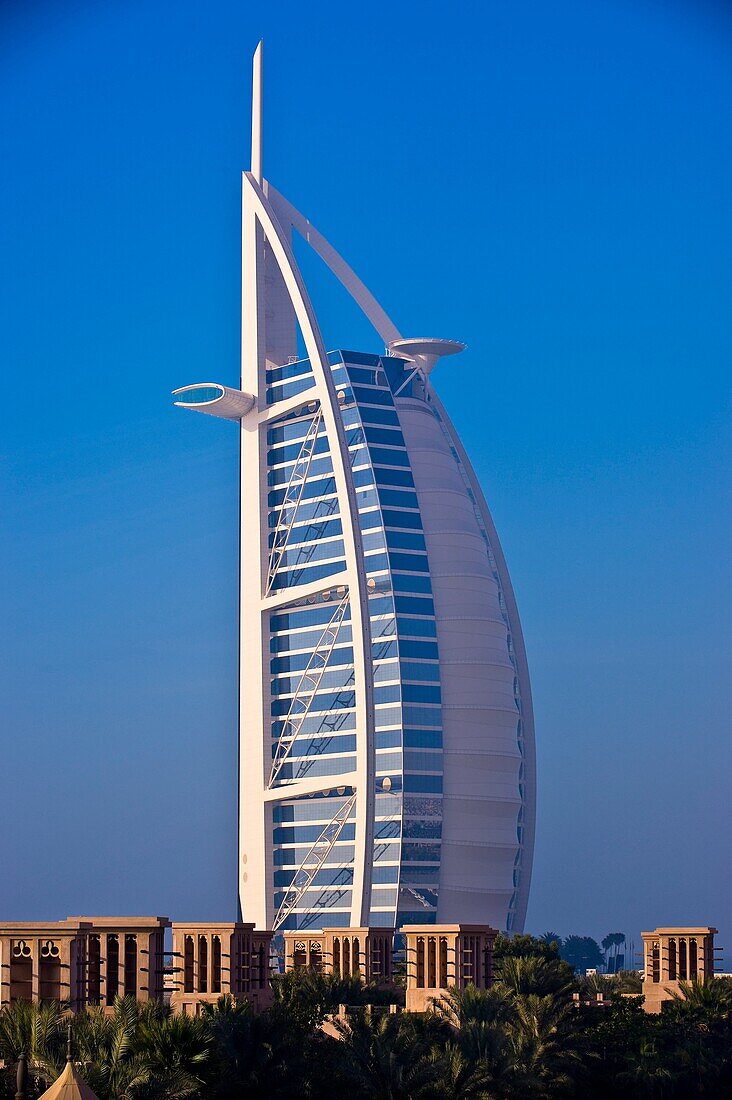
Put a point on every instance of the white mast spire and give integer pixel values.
(257, 114)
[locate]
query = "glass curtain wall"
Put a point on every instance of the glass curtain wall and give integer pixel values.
(313, 675)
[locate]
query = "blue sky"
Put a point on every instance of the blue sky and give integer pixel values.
(550, 183)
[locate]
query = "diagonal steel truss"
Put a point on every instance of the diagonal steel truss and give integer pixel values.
(291, 499)
(313, 861)
(307, 687)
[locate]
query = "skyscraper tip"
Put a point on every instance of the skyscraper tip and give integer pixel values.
(256, 162)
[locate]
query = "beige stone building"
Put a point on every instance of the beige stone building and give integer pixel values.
(214, 959)
(344, 951)
(443, 955)
(82, 960)
(438, 956)
(673, 955)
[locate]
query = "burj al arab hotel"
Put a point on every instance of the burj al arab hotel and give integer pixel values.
(386, 735)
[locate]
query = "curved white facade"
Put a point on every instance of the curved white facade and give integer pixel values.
(386, 733)
(481, 755)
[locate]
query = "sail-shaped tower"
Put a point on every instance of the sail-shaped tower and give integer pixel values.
(386, 738)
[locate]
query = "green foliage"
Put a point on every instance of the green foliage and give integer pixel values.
(530, 974)
(704, 1000)
(626, 981)
(522, 1039)
(543, 1049)
(254, 1054)
(309, 996)
(524, 946)
(37, 1031)
(389, 1057)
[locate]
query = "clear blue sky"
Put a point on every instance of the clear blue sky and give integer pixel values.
(550, 182)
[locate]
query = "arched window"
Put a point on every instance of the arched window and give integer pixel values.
(443, 962)
(356, 967)
(487, 967)
(432, 962)
(21, 971)
(346, 957)
(112, 968)
(693, 958)
(316, 956)
(655, 961)
(49, 971)
(299, 954)
(202, 964)
(188, 965)
(130, 965)
(420, 962)
(683, 972)
(94, 983)
(238, 964)
(216, 964)
(672, 960)
(336, 955)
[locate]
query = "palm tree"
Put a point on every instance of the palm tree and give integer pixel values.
(612, 940)
(648, 1073)
(389, 1057)
(707, 996)
(595, 983)
(480, 1018)
(177, 1050)
(582, 952)
(543, 1055)
(254, 1054)
(37, 1031)
(534, 975)
(459, 1076)
(627, 981)
(460, 1007)
(107, 1048)
(310, 995)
